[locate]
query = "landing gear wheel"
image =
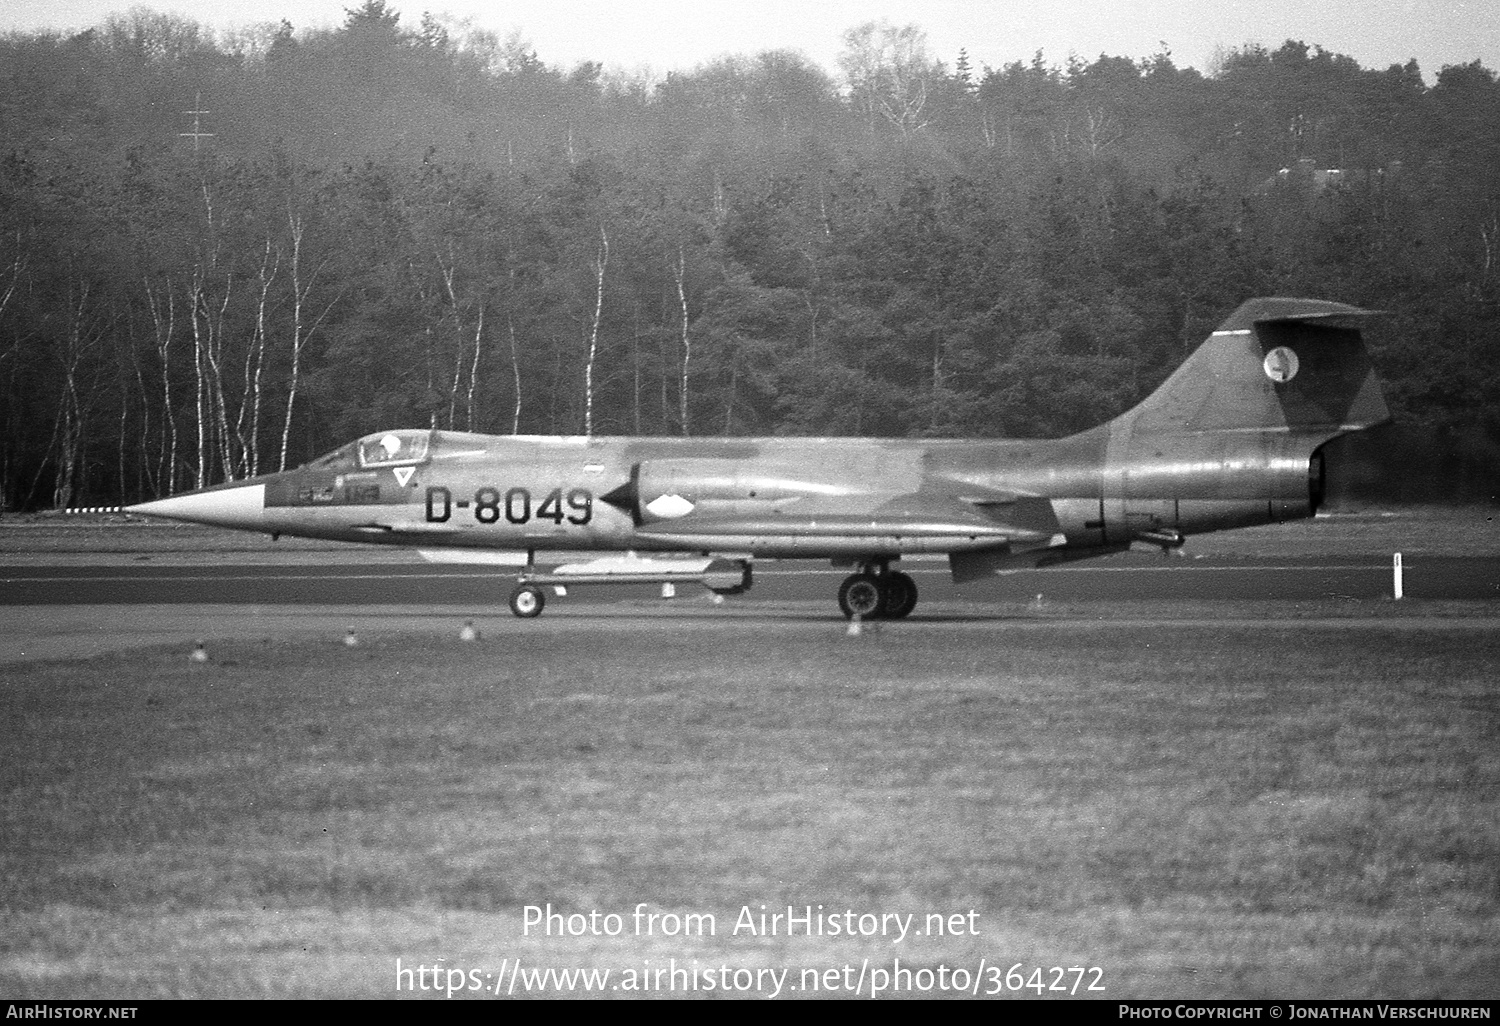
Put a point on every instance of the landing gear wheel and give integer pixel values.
(900, 595)
(527, 601)
(861, 595)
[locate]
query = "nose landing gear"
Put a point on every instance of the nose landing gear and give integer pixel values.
(878, 593)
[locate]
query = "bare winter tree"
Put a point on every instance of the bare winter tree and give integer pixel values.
(601, 261)
(889, 71)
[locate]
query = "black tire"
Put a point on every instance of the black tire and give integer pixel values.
(900, 596)
(527, 601)
(861, 595)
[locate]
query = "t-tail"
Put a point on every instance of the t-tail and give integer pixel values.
(1233, 437)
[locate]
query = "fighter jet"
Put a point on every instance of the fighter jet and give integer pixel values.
(1231, 439)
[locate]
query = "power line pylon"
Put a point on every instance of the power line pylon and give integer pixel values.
(197, 134)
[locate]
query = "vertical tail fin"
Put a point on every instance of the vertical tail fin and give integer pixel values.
(1274, 365)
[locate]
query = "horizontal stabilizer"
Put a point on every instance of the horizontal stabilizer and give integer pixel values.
(1285, 310)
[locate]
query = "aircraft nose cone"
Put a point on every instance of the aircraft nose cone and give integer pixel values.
(233, 506)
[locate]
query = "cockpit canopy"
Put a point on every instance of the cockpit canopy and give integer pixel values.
(392, 448)
(385, 449)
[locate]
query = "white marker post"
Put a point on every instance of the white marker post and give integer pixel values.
(1396, 589)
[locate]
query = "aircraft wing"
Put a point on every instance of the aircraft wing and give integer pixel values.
(406, 527)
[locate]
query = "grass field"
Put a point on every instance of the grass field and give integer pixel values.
(1259, 807)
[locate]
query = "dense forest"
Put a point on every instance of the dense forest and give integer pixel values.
(222, 254)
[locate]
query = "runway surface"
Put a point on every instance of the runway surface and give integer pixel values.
(1133, 576)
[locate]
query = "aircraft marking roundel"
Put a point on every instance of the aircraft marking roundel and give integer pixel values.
(1281, 365)
(669, 506)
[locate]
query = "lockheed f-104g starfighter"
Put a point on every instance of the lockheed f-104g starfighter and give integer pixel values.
(1231, 439)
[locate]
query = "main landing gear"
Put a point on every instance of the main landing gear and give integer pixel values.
(527, 601)
(878, 593)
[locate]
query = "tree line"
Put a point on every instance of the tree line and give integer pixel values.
(373, 226)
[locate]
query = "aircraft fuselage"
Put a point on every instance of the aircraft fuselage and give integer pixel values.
(518, 493)
(1231, 439)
